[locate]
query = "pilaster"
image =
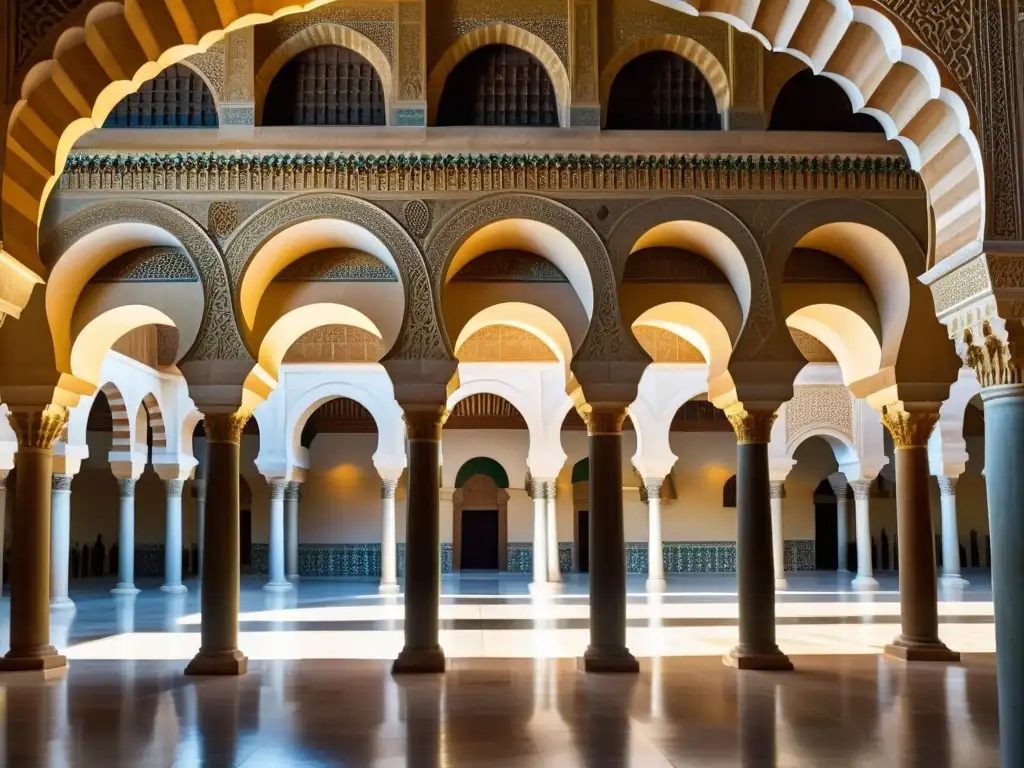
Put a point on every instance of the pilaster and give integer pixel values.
(409, 97)
(585, 110)
(746, 84)
(237, 108)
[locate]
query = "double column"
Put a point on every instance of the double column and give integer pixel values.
(865, 580)
(757, 648)
(919, 638)
(655, 550)
(276, 581)
(540, 535)
(950, 534)
(422, 652)
(219, 653)
(777, 493)
(388, 537)
(126, 539)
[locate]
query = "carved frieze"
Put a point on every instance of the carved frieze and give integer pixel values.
(157, 264)
(506, 344)
(666, 347)
(375, 21)
(337, 265)
(336, 344)
(510, 267)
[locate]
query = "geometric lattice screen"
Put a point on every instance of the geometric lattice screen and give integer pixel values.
(176, 98)
(662, 91)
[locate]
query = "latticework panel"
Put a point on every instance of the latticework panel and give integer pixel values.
(662, 91)
(176, 98)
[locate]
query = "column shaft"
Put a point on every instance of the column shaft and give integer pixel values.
(864, 581)
(3, 520)
(291, 503)
(219, 653)
(276, 581)
(126, 539)
(540, 529)
(842, 525)
(950, 533)
(655, 550)
(422, 651)
(60, 540)
(388, 538)
(551, 511)
(778, 495)
(607, 651)
(1004, 480)
(172, 539)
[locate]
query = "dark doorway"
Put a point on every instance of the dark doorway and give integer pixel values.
(826, 528)
(245, 537)
(479, 540)
(583, 528)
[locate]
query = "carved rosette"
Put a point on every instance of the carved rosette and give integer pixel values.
(226, 427)
(39, 429)
(947, 486)
(861, 489)
(909, 429)
(424, 422)
(126, 487)
(778, 489)
(277, 489)
(291, 493)
(750, 426)
(388, 489)
(603, 419)
(174, 488)
(60, 483)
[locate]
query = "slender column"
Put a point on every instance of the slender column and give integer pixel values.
(60, 540)
(919, 639)
(291, 505)
(201, 515)
(950, 536)
(1004, 458)
(3, 521)
(540, 545)
(218, 653)
(778, 495)
(655, 551)
(422, 651)
(276, 581)
(842, 522)
(30, 547)
(172, 539)
(864, 581)
(607, 651)
(554, 568)
(757, 648)
(388, 538)
(126, 539)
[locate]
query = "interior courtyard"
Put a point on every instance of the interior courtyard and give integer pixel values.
(601, 382)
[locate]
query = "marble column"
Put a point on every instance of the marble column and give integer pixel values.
(291, 507)
(950, 534)
(607, 651)
(388, 538)
(276, 581)
(126, 539)
(540, 529)
(554, 566)
(655, 550)
(865, 580)
(778, 495)
(1004, 480)
(218, 652)
(842, 522)
(60, 540)
(30, 541)
(172, 539)
(422, 652)
(3, 521)
(919, 614)
(200, 486)
(757, 648)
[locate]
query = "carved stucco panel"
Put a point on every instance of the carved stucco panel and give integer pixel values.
(816, 408)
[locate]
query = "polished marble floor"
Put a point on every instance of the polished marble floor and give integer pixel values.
(319, 690)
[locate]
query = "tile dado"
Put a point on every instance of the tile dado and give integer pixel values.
(680, 557)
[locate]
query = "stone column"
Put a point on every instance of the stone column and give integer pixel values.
(540, 544)
(201, 520)
(3, 520)
(554, 567)
(422, 652)
(30, 546)
(291, 505)
(950, 536)
(655, 550)
(172, 539)
(219, 653)
(778, 495)
(842, 522)
(757, 648)
(919, 639)
(388, 538)
(607, 651)
(126, 539)
(60, 540)
(1004, 458)
(864, 581)
(276, 581)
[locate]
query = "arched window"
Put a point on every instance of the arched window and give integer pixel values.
(809, 102)
(176, 98)
(662, 91)
(498, 85)
(482, 465)
(729, 493)
(328, 85)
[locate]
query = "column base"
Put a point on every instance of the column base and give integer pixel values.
(62, 604)
(555, 587)
(910, 651)
(781, 585)
(865, 584)
(656, 586)
(218, 663)
(125, 589)
(771, 660)
(388, 589)
(953, 580)
(44, 659)
(619, 661)
(539, 588)
(174, 589)
(277, 586)
(292, 577)
(419, 661)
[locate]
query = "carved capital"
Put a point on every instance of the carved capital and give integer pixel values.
(424, 422)
(651, 489)
(388, 489)
(39, 429)
(277, 489)
(995, 361)
(839, 486)
(778, 489)
(909, 429)
(291, 493)
(60, 483)
(126, 487)
(947, 486)
(602, 419)
(226, 427)
(861, 489)
(550, 490)
(173, 488)
(750, 426)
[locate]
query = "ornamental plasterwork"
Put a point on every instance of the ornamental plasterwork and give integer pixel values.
(375, 21)
(158, 264)
(210, 64)
(510, 267)
(666, 347)
(812, 349)
(671, 265)
(337, 265)
(816, 407)
(506, 344)
(211, 172)
(336, 344)
(552, 29)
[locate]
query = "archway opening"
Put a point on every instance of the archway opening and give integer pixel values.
(662, 91)
(178, 97)
(810, 102)
(480, 508)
